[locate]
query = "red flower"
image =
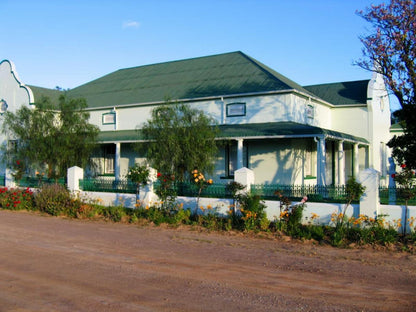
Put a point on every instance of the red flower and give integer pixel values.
(393, 175)
(403, 166)
(18, 162)
(159, 174)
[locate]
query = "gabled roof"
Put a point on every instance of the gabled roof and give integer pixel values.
(216, 75)
(342, 93)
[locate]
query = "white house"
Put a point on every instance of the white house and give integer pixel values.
(285, 133)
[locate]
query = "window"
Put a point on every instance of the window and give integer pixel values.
(310, 161)
(236, 109)
(231, 158)
(109, 156)
(310, 111)
(109, 118)
(3, 106)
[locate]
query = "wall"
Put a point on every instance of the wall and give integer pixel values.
(392, 214)
(14, 93)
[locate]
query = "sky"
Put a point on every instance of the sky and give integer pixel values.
(69, 43)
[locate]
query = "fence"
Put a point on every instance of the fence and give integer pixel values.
(393, 195)
(315, 193)
(219, 190)
(37, 182)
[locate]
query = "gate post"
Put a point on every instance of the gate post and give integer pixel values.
(74, 174)
(370, 201)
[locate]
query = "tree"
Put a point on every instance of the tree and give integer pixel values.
(180, 139)
(391, 51)
(50, 137)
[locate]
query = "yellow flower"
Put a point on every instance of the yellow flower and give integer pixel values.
(147, 207)
(210, 181)
(209, 207)
(196, 180)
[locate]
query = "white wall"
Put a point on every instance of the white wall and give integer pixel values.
(15, 93)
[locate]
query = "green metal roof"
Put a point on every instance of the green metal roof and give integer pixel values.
(342, 93)
(397, 127)
(38, 92)
(248, 131)
(216, 75)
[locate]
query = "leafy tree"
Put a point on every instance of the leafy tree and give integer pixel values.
(50, 137)
(180, 139)
(391, 51)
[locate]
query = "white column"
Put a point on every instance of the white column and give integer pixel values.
(117, 162)
(239, 154)
(341, 163)
(356, 164)
(321, 162)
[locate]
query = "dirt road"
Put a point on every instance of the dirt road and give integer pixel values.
(54, 264)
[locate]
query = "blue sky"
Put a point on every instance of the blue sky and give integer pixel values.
(69, 43)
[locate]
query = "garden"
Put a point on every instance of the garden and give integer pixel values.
(246, 214)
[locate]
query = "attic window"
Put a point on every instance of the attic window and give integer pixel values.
(109, 119)
(236, 109)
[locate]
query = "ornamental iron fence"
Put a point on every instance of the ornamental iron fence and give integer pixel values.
(219, 190)
(38, 182)
(394, 196)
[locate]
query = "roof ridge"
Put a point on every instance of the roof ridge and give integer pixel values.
(333, 83)
(276, 75)
(181, 60)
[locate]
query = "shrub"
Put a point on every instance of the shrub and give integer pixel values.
(54, 199)
(16, 199)
(113, 213)
(252, 209)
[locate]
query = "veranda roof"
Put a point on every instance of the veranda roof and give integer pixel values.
(271, 130)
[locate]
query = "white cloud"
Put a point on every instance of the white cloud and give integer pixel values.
(131, 24)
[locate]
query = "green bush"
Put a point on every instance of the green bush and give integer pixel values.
(16, 199)
(252, 209)
(113, 213)
(54, 199)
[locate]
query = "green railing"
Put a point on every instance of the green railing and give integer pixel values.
(108, 185)
(393, 196)
(219, 190)
(215, 190)
(316, 193)
(2, 180)
(36, 182)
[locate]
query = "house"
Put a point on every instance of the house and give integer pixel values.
(286, 133)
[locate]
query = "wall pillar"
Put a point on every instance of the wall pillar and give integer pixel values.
(370, 201)
(245, 177)
(74, 174)
(147, 194)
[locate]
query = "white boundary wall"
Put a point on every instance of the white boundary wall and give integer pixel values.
(393, 214)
